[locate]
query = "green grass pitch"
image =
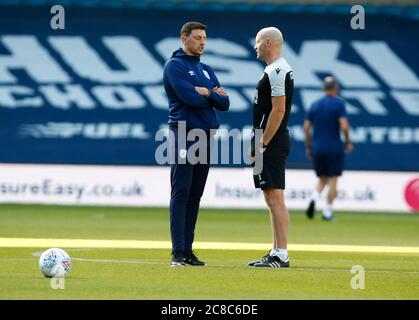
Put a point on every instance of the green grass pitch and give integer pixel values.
(104, 273)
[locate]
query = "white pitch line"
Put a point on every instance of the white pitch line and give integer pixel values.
(38, 254)
(144, 244)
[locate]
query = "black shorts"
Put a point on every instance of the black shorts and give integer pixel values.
(328, 165)
(273, 173)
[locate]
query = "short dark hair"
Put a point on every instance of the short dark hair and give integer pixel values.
(189, 26)
(329, 83)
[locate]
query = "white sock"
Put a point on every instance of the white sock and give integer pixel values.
(281, 254)
(327, 210)
(272, 252)
(315, 196)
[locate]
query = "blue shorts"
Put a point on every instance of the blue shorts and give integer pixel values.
(328, 165)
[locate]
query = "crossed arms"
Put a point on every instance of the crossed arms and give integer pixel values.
(196, 97)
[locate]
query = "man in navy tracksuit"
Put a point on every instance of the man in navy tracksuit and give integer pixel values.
(327, 117)
(193, 92)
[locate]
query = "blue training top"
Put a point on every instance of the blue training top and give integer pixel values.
(324, 115)
(182, 73)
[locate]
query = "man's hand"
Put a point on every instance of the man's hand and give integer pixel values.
(349, 147)
(203, 91)
(255, 147)
(309, 153)
(221, 91)
(206, 93)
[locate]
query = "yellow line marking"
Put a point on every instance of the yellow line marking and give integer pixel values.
(144, 244)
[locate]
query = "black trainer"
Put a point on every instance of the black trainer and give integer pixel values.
(178, 259)
(192, 260)
(311, 209)
(273, 262)
(252, 263)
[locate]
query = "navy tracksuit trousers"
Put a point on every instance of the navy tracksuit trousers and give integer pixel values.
(187, 186)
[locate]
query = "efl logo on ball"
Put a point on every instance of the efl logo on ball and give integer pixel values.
(54, 262)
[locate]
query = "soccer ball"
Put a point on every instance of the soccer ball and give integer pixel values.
(54, 262)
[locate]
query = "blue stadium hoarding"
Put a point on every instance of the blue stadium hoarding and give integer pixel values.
(92, 93)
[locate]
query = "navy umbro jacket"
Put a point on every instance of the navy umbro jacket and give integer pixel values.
(182, 73)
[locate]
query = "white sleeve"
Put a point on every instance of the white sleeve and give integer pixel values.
(277, 81)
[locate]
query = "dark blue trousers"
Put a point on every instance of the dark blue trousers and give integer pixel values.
(187, 186)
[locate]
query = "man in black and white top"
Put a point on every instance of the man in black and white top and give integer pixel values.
(271, 110)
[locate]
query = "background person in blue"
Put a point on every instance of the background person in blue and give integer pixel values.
(193, 92)
(327, 117)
